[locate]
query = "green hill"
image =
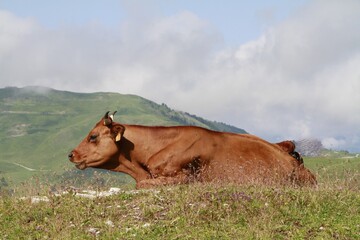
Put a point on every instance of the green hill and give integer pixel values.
(39, 126)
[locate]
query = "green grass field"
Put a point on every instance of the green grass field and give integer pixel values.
(345, 170)
(198, 211)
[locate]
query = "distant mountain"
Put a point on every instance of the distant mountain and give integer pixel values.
(309, 147)
(39, 126)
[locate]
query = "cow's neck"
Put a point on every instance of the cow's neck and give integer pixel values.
(137, 146)
(144, 142)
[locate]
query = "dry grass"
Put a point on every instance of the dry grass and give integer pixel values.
(197, 211)
(189, 212)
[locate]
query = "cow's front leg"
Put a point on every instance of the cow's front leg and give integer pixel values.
(162, 181)
(174, 159)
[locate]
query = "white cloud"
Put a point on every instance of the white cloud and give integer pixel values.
(333, 143)
(13, 30)
(299, 79)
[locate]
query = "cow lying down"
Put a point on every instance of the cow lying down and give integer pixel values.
(156, 156)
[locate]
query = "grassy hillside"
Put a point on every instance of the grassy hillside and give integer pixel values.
(39, 126)
(199, 211)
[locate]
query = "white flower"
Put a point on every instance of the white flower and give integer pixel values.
(94, 231)
(110, 223)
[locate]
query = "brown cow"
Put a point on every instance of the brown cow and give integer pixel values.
(156, 156)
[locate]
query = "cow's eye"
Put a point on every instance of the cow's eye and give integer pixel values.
(93, 138)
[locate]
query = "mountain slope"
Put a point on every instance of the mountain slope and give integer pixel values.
(39, 126)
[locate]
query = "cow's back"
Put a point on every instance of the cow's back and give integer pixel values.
(244, 157)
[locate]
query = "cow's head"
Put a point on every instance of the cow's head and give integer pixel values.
(100, 145)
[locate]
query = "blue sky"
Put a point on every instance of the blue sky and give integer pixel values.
(278, 69)
(238, 21)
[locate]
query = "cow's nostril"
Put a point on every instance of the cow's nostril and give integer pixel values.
(71, 155)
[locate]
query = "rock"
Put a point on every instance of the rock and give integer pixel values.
(309, 147)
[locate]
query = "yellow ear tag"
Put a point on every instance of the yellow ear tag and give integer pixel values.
(118, 137)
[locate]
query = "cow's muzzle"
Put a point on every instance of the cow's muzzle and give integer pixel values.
(71, 156)
(80, 165)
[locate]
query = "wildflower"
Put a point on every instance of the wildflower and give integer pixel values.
(109, 223)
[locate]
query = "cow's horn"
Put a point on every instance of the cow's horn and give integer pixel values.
(112, 116)
(107, 120)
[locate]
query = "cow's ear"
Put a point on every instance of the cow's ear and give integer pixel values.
(117, 131)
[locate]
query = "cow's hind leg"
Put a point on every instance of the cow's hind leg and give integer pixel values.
(287, 146)
(302, 176)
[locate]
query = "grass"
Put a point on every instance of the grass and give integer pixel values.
(189, 212)
(344, 171)
(198, 211)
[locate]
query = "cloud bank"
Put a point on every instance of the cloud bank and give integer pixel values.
(300, 78)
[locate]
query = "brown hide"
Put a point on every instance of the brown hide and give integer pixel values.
(156, 156)
(287, 146)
